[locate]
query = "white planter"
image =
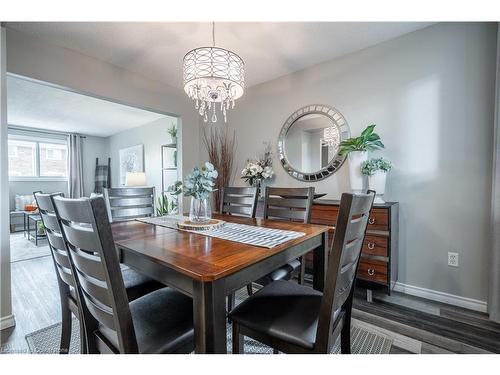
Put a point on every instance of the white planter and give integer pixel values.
(377, 183)
(355, 176)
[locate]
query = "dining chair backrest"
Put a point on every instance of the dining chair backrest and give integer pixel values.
(241, 201)
(126, 203)
(350, 230)
(89, 239)
(56, 242)
(293, 204)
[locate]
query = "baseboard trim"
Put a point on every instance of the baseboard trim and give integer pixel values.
(7, 321)
(434, 295)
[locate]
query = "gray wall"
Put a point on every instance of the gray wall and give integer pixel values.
(152, 136)
(431, 94)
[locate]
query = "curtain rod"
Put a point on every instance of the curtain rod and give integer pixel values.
(42, 131)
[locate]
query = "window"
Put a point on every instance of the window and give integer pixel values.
(53, 160)
(22, 158)
(35, 159)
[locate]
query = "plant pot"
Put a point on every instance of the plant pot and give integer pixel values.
(174, 140)
(356, 158)
(200, 210)
(377, 183)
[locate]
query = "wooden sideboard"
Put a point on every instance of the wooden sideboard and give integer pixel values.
(378, 267)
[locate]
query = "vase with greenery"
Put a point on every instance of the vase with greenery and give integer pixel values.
(357, 149)
(173, 133)
(198, 185)
(376, 170)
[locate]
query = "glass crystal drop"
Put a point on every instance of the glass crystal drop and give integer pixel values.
(205, 117)
(232, 104)
(197, 105)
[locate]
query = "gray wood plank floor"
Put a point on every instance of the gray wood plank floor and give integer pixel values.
(416, 325)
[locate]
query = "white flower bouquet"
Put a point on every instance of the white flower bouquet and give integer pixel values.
(259, 170)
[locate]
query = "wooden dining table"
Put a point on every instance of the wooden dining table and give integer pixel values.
(208, 269)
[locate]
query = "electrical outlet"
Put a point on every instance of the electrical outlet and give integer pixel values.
(453, 259)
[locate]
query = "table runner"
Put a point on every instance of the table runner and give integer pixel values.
(248, 234)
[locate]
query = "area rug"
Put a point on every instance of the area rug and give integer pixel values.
(23, 249)
(363, 341)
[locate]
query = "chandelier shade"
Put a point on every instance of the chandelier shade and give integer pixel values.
(213, 78)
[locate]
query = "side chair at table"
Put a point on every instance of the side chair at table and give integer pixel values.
(293, 318)
(158, 322)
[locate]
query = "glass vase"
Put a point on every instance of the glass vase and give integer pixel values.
(200, 210)
(257, 183)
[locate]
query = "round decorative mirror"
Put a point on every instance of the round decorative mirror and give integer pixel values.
(308, 145)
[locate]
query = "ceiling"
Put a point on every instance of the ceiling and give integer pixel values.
(270, 50)
(36, 105)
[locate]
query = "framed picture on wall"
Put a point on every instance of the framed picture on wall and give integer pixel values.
(131, 160)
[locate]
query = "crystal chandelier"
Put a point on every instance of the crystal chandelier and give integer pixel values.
(331, 136)
(213, 78)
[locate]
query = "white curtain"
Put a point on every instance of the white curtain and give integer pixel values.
(75, 181)
(494, 279)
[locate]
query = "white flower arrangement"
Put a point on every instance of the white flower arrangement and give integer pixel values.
(259, 169)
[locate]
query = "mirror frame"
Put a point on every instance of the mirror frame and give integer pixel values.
(337, 119)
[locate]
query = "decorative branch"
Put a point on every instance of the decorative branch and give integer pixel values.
(220, 144)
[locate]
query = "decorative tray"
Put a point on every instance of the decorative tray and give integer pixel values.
(190, 225)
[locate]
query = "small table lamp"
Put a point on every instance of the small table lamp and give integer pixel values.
(135, 179)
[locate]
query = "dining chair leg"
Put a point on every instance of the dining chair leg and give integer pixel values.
(238, 340)
(231, 300)
(249, 289)
(83, 339)
(302, 271)
(345, 333)
(65, 328)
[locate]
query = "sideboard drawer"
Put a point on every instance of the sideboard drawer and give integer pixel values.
(379, 219)
(324, 215)
(375, 245)
(372, 270)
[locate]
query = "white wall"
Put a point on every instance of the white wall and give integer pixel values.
(93, 147)
(431, 94)
(6, 317)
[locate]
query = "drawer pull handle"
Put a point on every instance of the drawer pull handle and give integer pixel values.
(371, 245)
(371, 271)
(371, 220)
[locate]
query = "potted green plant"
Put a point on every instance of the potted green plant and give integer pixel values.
(198, 185)
(376, 170)
(173, 133)
(166, 206)
(356, 149)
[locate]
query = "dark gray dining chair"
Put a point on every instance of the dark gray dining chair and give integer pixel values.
(293, 318)
(136, 284)
(158, 322)
(70, 303)
(238, 201)
(294, 204)
(127, 203)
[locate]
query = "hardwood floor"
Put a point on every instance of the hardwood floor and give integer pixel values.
(415, 325)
